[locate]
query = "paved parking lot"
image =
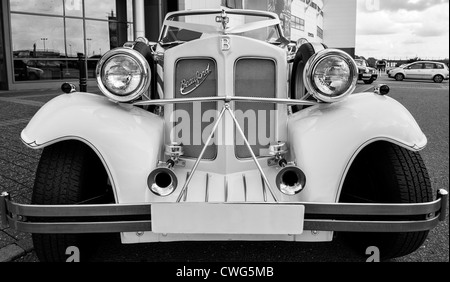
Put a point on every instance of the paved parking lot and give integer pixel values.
(428, 102)
(17, 163)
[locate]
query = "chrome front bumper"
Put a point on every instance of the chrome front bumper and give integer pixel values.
(55, 219)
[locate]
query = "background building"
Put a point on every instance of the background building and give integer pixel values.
(41, 40)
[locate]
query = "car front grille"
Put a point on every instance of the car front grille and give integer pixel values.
(255, 77)
(194, 78)
(197, 77)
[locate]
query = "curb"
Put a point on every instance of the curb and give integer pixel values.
(11, 252)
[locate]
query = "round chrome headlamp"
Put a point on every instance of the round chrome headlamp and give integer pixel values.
(330, 75)
(123, 75)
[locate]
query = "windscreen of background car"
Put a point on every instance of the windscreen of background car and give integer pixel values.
(359, 63)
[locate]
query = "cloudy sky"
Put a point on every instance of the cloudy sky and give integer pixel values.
(394, 29)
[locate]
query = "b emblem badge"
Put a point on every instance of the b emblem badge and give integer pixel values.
(225, 42)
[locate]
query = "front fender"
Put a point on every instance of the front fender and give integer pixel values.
(325, 139)
(127, 139)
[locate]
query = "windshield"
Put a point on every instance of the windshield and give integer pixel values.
(180, 29)
(361, 63)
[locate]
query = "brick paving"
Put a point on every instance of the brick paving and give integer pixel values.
(18, 163)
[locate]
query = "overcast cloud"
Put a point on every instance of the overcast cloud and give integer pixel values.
(407, 5)
(403, 29)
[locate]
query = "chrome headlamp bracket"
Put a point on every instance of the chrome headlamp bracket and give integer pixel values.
(174, 151)
(278, 152)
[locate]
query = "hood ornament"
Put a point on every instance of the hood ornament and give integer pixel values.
(224, 19)
(189, 85)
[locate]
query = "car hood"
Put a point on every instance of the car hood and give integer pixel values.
(361, 68)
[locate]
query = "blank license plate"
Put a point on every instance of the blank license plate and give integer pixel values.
(210, 218)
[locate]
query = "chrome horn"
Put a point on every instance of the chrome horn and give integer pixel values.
(162, 181)
(290, 180)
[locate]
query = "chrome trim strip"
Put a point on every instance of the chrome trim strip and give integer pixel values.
(207, 188)
(81, 227)
(244, 179)
(145, 209)
(374, 209)
(145, 225)
(133, 226)
(226, 99)
(77, 210)
(370, 226)
(218, 11)
(264, 189)
(226, 189)
(35, 145)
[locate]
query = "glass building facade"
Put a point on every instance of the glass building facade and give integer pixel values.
(3, 76)
(42, 40)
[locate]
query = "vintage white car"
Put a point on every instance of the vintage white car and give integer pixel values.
(224, 130)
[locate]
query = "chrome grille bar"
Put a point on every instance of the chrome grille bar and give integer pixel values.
(226, 99)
